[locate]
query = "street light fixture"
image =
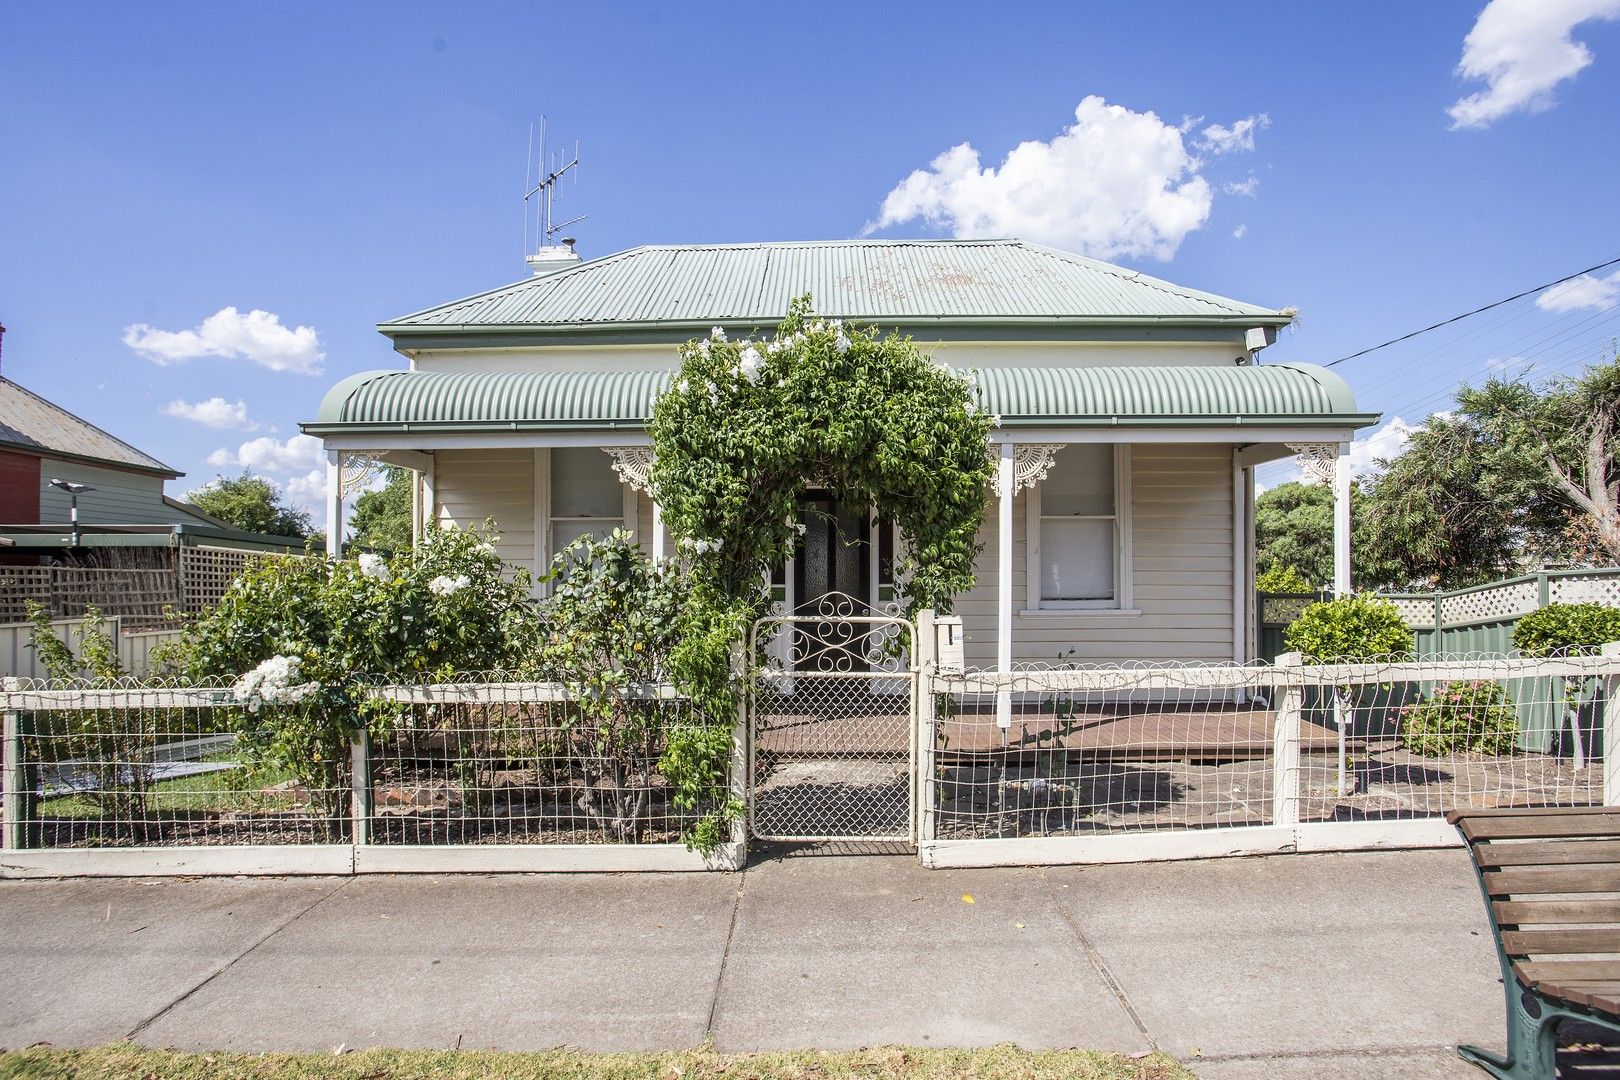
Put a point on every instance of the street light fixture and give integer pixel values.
(74, 491)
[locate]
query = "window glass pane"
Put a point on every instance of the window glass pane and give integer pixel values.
(583, 484)
(564, 533)
(1077, 560)
(1081, 481)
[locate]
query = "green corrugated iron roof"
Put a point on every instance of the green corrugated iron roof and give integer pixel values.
(907, 283)
(378, 402)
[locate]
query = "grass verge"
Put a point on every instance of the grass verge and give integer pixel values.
(122, 1061)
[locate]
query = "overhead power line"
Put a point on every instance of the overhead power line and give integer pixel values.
(1476, 311)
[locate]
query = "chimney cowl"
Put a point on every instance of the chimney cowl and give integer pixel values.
(553, 257)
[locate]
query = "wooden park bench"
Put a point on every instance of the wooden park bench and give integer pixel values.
(1551, 879)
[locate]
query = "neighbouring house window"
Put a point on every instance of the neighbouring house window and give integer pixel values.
(1079, 529)
(587, 499)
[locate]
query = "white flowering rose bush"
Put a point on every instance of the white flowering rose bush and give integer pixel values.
(296, 637)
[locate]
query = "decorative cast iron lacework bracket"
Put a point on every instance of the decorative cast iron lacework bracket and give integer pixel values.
(1031, 463)
(633, 465)
(1316, 460)
(357, 470)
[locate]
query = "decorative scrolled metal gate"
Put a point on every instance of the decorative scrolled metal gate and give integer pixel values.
(831, 732)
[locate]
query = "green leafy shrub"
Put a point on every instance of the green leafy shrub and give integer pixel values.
(1574, 629)
(1350, 629)
(297, 636)
(1278, 578)
(1473, 717)
(614, 623)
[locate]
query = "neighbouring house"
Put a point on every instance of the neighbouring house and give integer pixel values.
(1133, 414)
(135, 552)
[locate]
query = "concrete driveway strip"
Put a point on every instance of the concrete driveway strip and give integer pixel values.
(87, 961)
(1437, 1064)
(1306, 954)
(599, 962)
(846, 952)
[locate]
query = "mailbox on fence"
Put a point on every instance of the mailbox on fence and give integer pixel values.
(948, 644)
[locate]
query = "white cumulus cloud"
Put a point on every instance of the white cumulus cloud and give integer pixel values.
(1242, 187)
(1582, 293)
(1240, 232)
(1220, 139)
(1522, 49)
(1385, 443)
(1114, 183)
(256, 336)
(307, 491)
(298, 453)
(216, 413)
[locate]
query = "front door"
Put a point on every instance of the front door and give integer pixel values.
(832, 579)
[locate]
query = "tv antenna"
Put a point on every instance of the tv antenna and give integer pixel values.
(542, 182)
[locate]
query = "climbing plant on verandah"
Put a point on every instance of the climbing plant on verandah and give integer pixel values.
(750, 424)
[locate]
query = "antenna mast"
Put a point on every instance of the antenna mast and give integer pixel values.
(542, 181)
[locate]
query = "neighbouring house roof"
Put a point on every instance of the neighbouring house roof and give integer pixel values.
(1005, 285)
(29, 422)
(399, 402)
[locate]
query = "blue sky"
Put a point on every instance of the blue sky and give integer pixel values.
(334, 165)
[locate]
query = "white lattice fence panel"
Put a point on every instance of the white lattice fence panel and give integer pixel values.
(18, 586)
(1586, 590)
(208, 571)
(1417, 611)
(1502, 601)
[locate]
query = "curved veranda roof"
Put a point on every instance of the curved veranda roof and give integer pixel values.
(422, 402)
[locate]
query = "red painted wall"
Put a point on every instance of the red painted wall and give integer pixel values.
(19, 488)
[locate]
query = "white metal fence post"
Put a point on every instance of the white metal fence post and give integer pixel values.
(1285, 745)
(923, 666)
(360, 789)
(1611, 727)
(741, 755)
(16, 780)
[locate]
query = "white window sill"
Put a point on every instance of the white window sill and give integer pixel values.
(1080, 613)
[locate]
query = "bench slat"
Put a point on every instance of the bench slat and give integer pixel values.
(1552, 973)
(1549, 853)
(1550, 942)
(1529, 913)
(1574, 879)
(1540, 826)
(1600, 994)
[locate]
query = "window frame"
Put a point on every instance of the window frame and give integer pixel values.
(544, 523)
(1123, 599)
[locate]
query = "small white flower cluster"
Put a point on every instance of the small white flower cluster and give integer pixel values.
(374, 566)
(702, 547)
(444, 585)
(274, 682)
(750, 363)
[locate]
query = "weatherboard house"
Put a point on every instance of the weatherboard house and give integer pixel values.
(1134, 412)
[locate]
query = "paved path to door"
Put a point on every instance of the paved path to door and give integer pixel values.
(1336, 965)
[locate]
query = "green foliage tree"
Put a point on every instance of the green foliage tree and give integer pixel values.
(1293, 527)
(252, 503)
(1514, 475)
(382, 518)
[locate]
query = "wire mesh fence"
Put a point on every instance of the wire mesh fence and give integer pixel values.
(1162, 748)
(153, 764)
(525, 763)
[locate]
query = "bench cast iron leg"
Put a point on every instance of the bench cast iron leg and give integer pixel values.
(1532, 1040)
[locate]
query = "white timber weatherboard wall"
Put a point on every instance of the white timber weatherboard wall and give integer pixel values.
(1181, 563)
(472, 485)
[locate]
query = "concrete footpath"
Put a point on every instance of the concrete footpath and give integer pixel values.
(1368, 965)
